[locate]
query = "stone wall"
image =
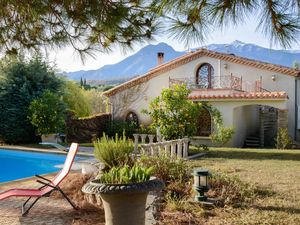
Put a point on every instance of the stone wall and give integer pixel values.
(85, 130)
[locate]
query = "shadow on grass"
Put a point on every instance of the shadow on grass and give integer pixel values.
(289, 210)
(254, 155)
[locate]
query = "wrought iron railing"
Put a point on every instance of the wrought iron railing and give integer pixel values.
(220, 82)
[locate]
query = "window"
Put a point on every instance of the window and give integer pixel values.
(204, 76)
(132, 117)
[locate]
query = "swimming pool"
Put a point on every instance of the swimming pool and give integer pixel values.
(22, 164)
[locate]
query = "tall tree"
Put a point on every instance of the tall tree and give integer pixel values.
(20, 83)
(99, 25)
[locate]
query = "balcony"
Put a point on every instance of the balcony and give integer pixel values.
(227, 83)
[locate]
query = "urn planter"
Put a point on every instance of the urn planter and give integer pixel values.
(124, 204)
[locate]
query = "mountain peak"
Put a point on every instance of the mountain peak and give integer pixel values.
(237, 43)
(158, 47)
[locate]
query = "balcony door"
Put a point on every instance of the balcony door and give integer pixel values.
(204, 76)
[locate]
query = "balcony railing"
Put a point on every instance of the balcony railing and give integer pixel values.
(229, 82)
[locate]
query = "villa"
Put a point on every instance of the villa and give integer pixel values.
(256, 98)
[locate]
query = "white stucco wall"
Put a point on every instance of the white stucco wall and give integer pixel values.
(153, 88)
(245, 123)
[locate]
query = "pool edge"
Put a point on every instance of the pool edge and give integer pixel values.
(50, 150)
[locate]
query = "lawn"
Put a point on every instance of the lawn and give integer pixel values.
(275, 170)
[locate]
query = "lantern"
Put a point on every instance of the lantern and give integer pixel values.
(201, 184)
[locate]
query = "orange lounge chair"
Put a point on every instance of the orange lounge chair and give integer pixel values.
(48, 185)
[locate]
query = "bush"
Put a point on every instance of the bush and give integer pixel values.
(119, 127)
(20, 83)
(283, 140)
(173, 113)
(142, 129)
(47, 113)
(75, 100)
(222, 135)
(97, 102)
(114, 152)
(125, 175)
(167, 169)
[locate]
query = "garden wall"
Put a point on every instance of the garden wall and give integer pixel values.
(85, 130)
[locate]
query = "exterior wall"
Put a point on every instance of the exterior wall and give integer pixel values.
(137, 98)
(297, 111)
(241, 115)
(246, 123)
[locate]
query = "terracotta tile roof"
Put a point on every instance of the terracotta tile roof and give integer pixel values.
(245, 95)
(195, 55)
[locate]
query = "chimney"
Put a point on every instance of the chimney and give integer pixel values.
(160, 58)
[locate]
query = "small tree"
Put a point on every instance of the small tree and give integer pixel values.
(47, 113)
(283, 140)
(173, 113)
(75, 99)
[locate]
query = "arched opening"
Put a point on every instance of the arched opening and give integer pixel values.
(255, 125)
(204, 123)
(204, 76)
(132, 117)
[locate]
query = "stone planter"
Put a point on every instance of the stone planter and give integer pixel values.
(124, 204)
(49, 138)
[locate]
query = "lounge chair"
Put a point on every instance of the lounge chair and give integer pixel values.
(48, 186)
(55, 145)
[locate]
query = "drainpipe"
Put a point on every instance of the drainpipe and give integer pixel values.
(219, 73)
(296, 108)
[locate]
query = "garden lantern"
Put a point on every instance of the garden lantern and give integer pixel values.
(201, 184)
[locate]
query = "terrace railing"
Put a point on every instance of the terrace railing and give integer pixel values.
(220, 82)
(176, 149)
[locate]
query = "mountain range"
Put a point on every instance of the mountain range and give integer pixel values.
(146, 59)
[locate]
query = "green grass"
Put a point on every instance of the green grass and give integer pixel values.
(276, 170)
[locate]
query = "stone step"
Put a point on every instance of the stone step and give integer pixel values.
(252, 138)
(251, 142)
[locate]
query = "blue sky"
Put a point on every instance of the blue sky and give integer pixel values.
(66, 60)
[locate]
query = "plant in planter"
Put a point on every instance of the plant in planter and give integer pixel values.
(114, 152)
(47, 114)
(123, 188)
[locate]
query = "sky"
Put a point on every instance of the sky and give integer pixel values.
(67, 60)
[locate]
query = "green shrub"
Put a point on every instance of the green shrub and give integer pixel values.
(283, 140)
(75, 99)
(119, 127)
(167, 169)
(173, 113)
(21, 82)
(142, 129)
(222, 135)
(114, 152)
(47, 113)
(125, 175)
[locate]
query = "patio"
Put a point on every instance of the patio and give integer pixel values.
(52, 211)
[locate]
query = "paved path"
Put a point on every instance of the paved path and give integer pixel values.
(50, 211)
(47, 211)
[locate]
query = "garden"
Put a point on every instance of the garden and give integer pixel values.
(242, 186)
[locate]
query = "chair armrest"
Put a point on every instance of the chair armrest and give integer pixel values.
(39, 176)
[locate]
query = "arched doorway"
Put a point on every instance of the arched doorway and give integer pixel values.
(132, 117)
(204, 123)
(204, 76)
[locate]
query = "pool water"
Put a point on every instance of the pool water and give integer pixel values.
(22, 164)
